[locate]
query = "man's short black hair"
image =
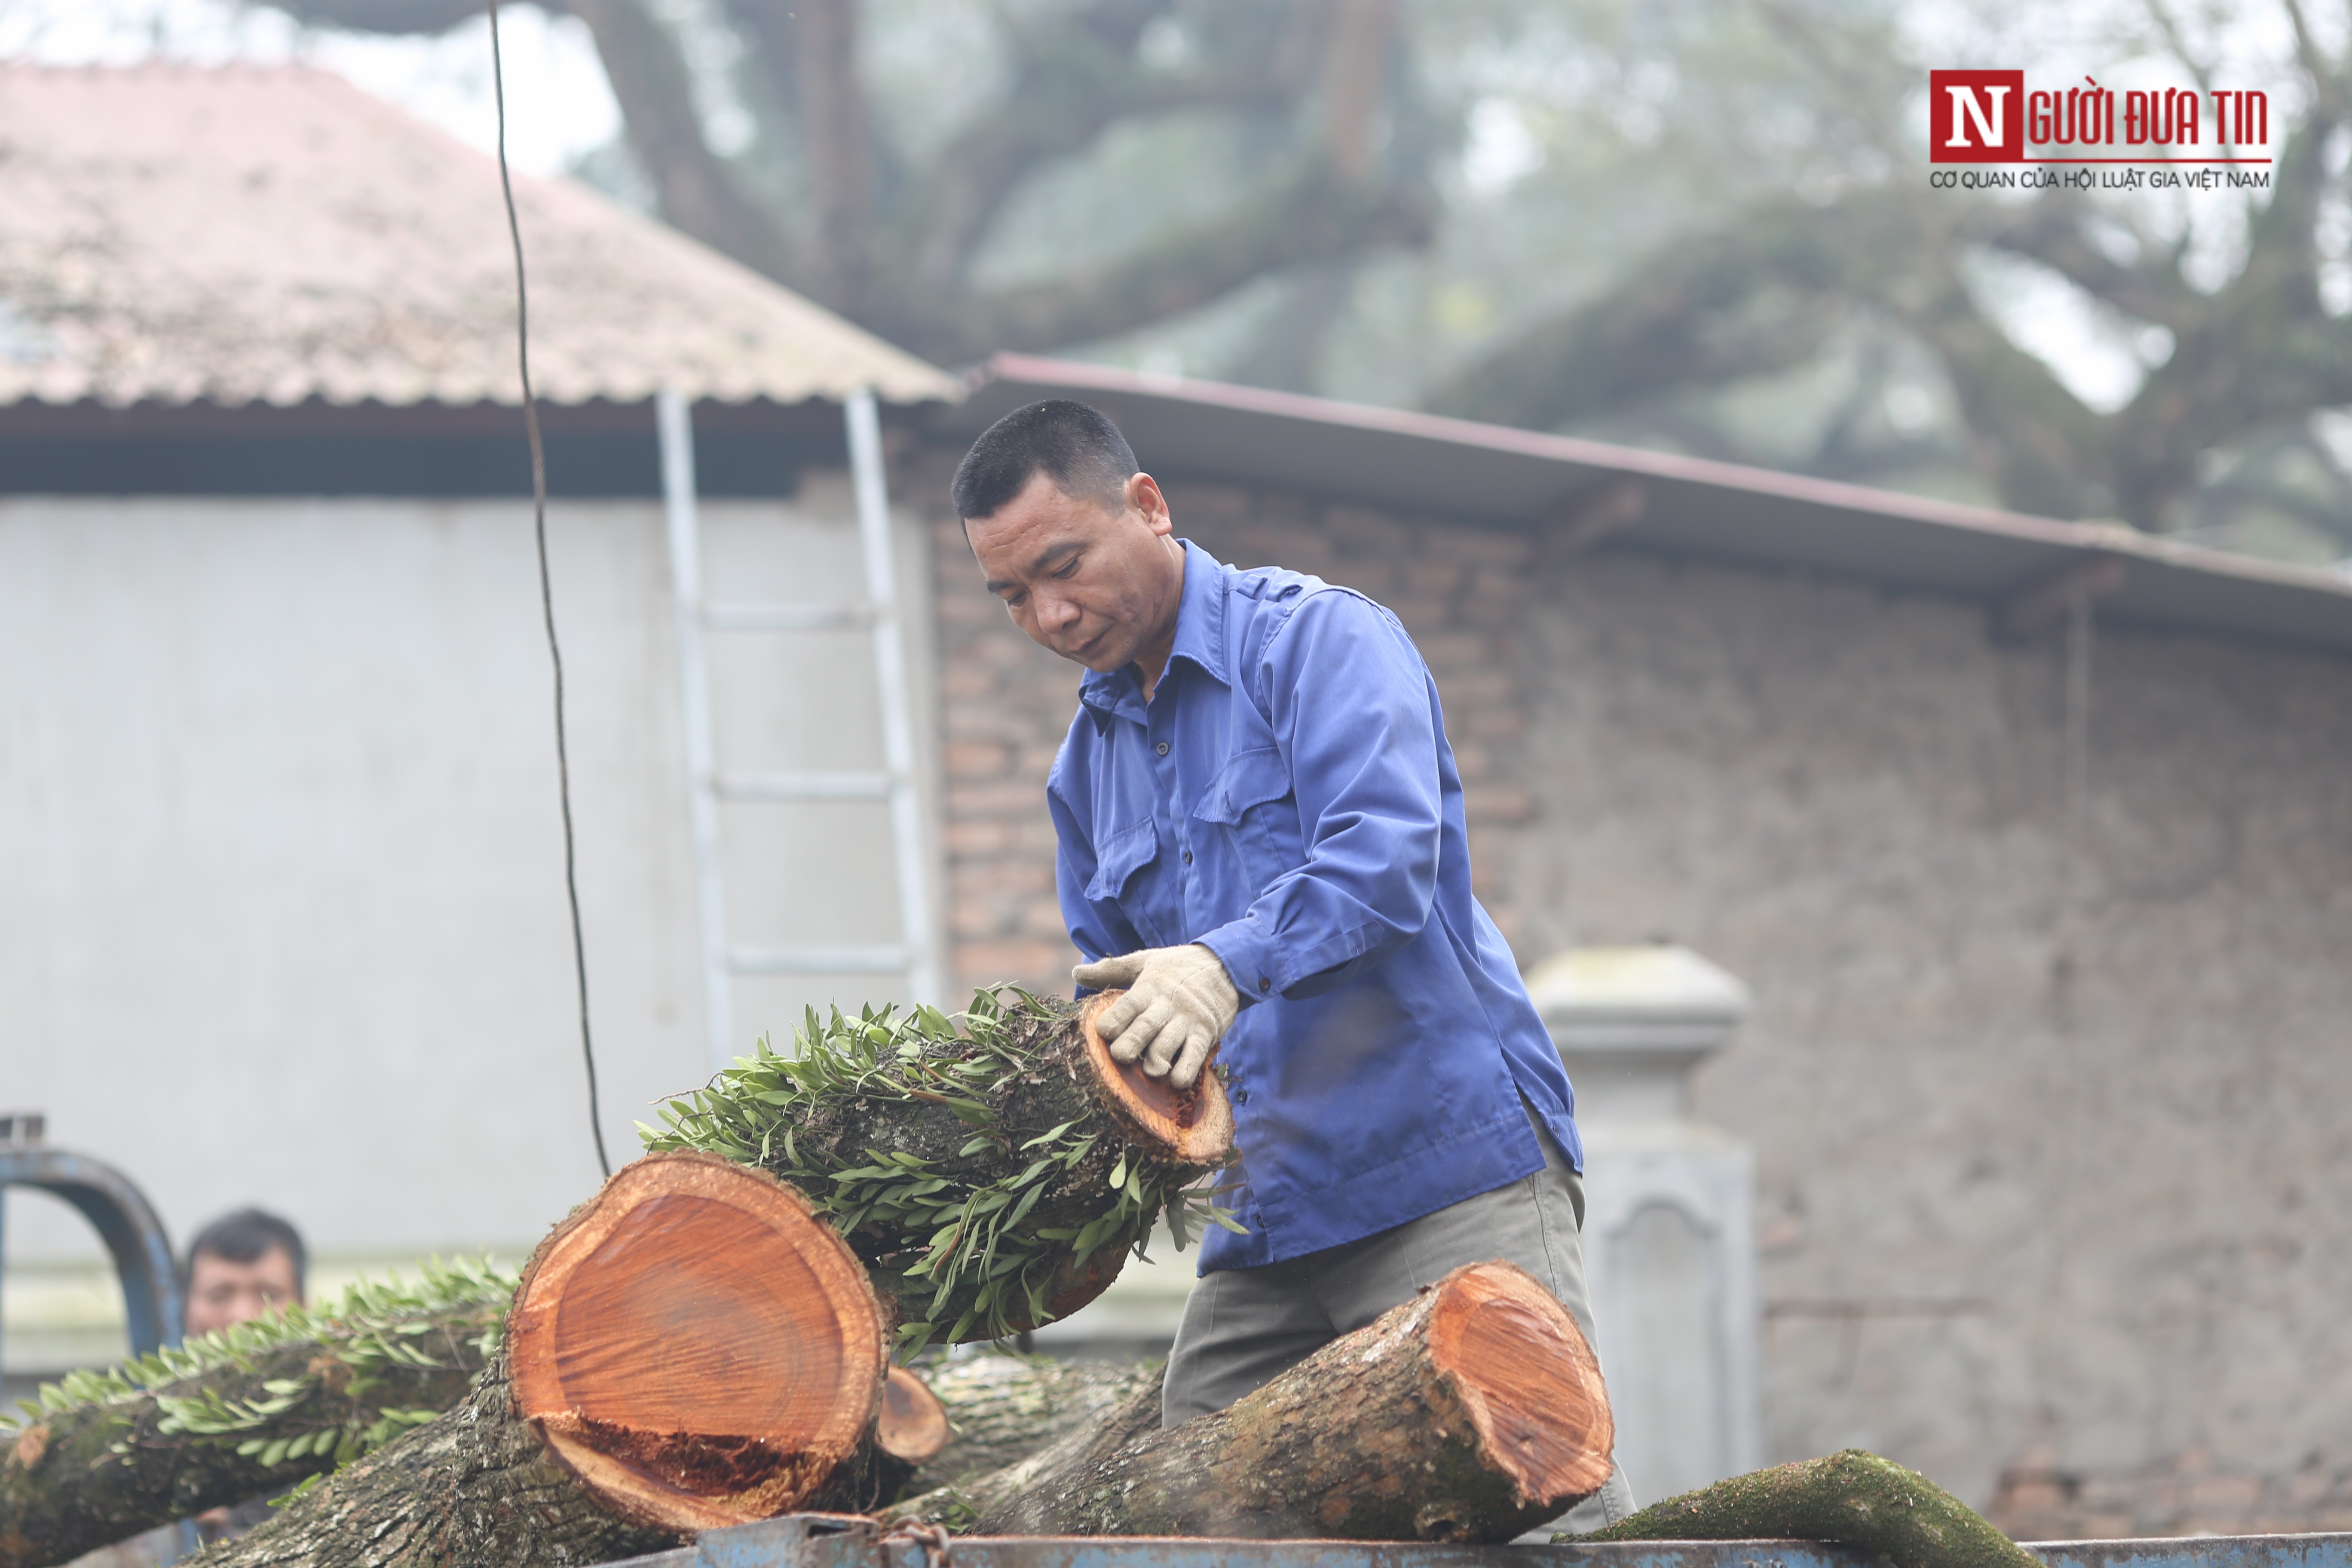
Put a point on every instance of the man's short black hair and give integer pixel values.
(1076, 446)
(247, 1236)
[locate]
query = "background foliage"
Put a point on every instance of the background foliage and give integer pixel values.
(1703, 224)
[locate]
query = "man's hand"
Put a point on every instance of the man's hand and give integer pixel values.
(1179, 1004)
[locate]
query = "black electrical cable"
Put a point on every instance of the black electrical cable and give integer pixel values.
(546, 584)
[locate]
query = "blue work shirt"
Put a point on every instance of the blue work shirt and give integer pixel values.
(1288, 798)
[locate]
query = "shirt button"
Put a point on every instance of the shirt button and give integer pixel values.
(1187, 856)
(1162, 748)
(1241, 1097)
(1263, 983)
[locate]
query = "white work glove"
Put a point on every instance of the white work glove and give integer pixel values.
(1179, 1004)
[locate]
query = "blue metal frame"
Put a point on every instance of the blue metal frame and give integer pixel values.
(840, 1540)
(125, 1221)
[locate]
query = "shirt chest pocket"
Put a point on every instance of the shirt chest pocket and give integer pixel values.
(1122, 855)
(1256, 811)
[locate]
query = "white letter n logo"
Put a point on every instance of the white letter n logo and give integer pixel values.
(1965, 102)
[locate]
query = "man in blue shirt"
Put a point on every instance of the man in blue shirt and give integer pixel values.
(1261, 840)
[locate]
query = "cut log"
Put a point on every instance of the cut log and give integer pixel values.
(1005, 1407)
(1194, 1126)
(1852, 1496)
(696, 1346)
(909, 1430)
(913, 1424)
(238, 1415)
(992, 1171)
(691, 1348)
(1470, 1413)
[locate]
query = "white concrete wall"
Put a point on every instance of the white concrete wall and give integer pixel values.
(281, 899)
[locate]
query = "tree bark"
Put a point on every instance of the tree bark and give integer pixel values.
(478, 1487)
(836, 144)
(1470, 1413)
(992, 1181)
(251, 1410)
(1003, 1409)
(1852, 1496)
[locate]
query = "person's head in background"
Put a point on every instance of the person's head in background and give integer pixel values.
(241, 1266)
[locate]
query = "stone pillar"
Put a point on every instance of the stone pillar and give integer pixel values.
(1669, 1223)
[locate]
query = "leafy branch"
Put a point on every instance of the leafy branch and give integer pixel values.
(981, 1203)
(447, 1322)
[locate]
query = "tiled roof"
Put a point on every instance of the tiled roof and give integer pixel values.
(176, 233)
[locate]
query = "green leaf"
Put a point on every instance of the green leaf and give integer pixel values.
(1048, 1137)
(1028, 1201)
(275, 1454)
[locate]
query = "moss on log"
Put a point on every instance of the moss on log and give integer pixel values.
(238, 1415)
(1852, 1496)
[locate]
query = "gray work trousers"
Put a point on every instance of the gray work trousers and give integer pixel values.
(1244, 1327)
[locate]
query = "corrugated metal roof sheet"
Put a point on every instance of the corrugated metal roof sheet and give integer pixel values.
(175, 234)
(1686, 506)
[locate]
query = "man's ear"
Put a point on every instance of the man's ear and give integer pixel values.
(1143, 496)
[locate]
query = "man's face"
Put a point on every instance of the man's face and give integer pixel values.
(221, 1292)
(1097, 584)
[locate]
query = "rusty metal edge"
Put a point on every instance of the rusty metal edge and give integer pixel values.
(849, 1541)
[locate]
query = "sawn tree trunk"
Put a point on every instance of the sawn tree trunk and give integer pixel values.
(692, 1348)
(1470, 1413)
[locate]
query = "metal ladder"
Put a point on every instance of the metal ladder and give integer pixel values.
(913, 955)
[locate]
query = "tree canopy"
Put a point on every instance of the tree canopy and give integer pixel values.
(1675, 223)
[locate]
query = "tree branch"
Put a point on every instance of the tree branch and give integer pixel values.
(1070, 83)
(650, 79)
(2043, 450)
(836, 142)
(1355, 69)
(2052, 231)
(2261, 350)
(1303, 214)
(1754, 296)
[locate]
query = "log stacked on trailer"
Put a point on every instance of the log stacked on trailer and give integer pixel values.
(703, 1344)
(1470, 1413)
